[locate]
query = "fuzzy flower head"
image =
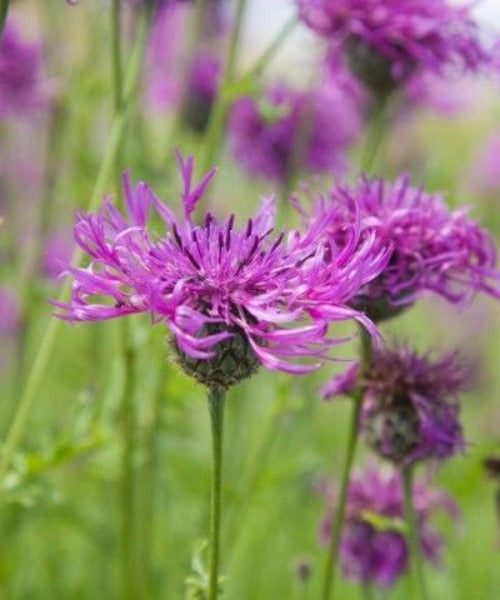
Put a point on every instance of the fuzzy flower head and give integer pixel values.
(233, 298)
(433, 249)
(374, 549)
(288, 129)
(387, 41)
(411, 410)
(20, 74)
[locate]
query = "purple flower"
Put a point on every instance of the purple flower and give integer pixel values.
(57, 254)
(411, 409)
(342, 384)
(287, 129)
(216, 285)
(433, 249)
(373, 548)
(189, 84)
(20, 74)
(387, 41)
(485, 176)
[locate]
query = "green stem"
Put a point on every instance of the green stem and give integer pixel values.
(377, 131)
(39, 368)
(217, 122)
(4, 9)
(116, 54)
(412, 534)
(130, 565)
(216, 400)
(268, 54)
(338, 513)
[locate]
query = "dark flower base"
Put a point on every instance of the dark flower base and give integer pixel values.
(234, 360)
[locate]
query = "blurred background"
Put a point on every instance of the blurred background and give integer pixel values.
(98, 483)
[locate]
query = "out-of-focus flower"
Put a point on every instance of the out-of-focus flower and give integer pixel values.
(57, 254)
(177, 81)
(290, 130)
(374, 549)
(9, 312)
(20, 74)
(387, 41)
(485, 175)
(410, 404)
(342, 384)
(433, 249)
(202, 87)
(232, 298)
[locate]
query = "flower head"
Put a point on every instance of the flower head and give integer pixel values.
(216, 285)
(387, 41)
(433, 249)
(20, 74)
(287, 129)
(411, 410)
(373, 548)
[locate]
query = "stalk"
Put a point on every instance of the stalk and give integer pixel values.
(4, 9)
(43, 356)
(338, 513)
(412, 535)
(216, 401)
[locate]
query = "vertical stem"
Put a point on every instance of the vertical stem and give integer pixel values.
(216, 400)
(38, 371)
(338, 513)
(116, 54)
(4, 9)
(377, 131)
(217, 120)
(412, 534)
(131, 587)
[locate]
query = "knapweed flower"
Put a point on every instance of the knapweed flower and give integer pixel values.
(57, 254)
(411, 408)
(20, 74)
(232, 298)
(202, 87)
(387, 41)
(374, 549)
(288, 130)
(433, 249)
(176, 81)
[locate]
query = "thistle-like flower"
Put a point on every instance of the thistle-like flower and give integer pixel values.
(374, 549)
(387, 41)
(433, 249)
(411, 408)
(20, 74)
(291, 130)
(232, 298)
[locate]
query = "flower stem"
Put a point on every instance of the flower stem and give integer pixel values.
(4, 9)
(216, 400)
(377, 131)
(47, 344)
(116, 54)
(338, 513)
(412, 534)
(218, 115)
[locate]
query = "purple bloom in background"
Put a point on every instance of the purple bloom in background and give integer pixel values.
(20, 74)
(411, 406)
(172, 82)
(57, 255)
(9, 313)
(387, 41)
(485, 176)
(373, 548)
(217, 286)
(289, 130)
(433, 249)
